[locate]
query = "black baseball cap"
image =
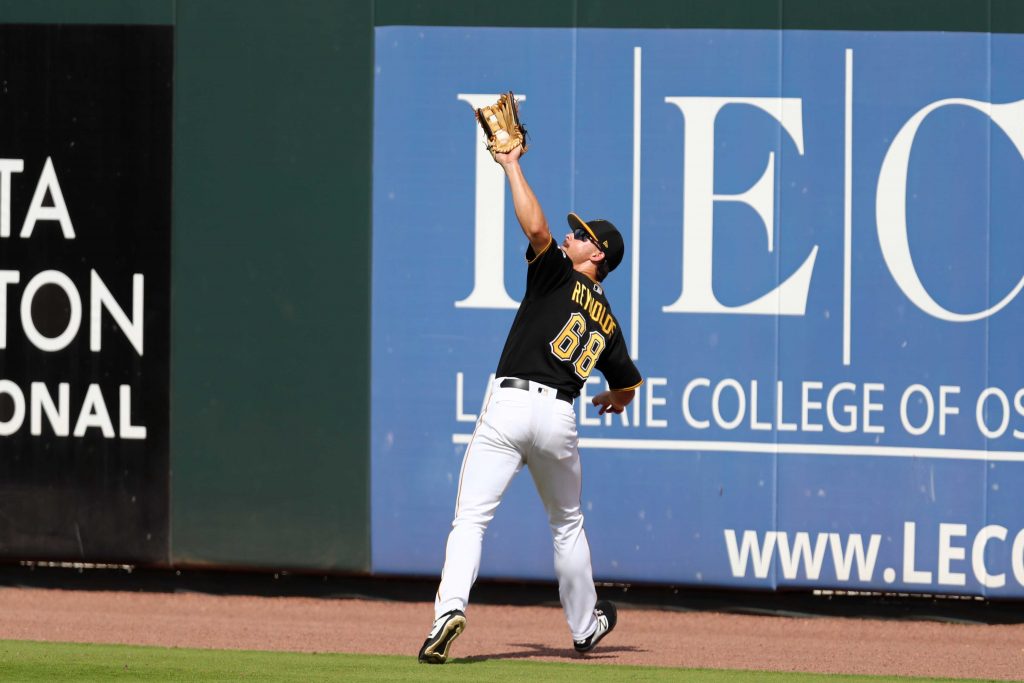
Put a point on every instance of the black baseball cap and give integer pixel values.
(605, 234)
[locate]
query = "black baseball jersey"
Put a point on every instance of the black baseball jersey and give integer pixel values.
(564, 329)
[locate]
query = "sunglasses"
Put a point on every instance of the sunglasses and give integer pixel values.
(582, 235)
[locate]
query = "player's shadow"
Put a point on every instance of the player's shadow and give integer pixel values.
(536, 650)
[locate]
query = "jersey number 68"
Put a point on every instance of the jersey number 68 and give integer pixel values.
(567, 342)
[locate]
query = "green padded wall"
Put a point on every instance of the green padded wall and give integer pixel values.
(270, 280)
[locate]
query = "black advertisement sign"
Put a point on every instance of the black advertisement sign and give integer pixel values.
(85, 227)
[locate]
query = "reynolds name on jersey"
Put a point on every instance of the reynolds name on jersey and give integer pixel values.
(594, 307)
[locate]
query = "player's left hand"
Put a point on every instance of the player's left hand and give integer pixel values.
(612, 401)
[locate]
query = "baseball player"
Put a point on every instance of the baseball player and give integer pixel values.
(564, 330)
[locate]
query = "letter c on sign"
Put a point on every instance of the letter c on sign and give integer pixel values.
(891, 204)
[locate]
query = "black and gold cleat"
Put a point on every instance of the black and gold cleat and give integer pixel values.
(607, 616)
(447, 628)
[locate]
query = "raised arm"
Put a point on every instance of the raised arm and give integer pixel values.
(528, 211)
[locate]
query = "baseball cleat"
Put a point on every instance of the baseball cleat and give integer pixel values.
(447, 628)
(606, 618)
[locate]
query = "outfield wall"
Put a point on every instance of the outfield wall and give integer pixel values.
(820, 206)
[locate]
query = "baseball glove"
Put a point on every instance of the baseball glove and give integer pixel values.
(502, 127)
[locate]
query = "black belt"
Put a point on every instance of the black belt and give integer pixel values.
(516, 383)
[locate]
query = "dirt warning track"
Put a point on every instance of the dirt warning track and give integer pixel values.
(644, 636)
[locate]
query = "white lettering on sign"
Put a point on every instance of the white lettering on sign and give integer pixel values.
(92, 414)
(100, 299)
(489, 222)
(801, 554)
(891, 204)
(699, 113)
(38, 212)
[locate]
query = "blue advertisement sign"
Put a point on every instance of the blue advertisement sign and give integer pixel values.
(822, 289)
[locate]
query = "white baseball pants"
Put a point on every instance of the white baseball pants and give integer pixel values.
(516, 428)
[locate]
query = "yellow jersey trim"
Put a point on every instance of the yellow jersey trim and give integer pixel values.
(542, 251)
(630, 388)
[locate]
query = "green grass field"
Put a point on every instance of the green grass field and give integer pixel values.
(32, 661)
